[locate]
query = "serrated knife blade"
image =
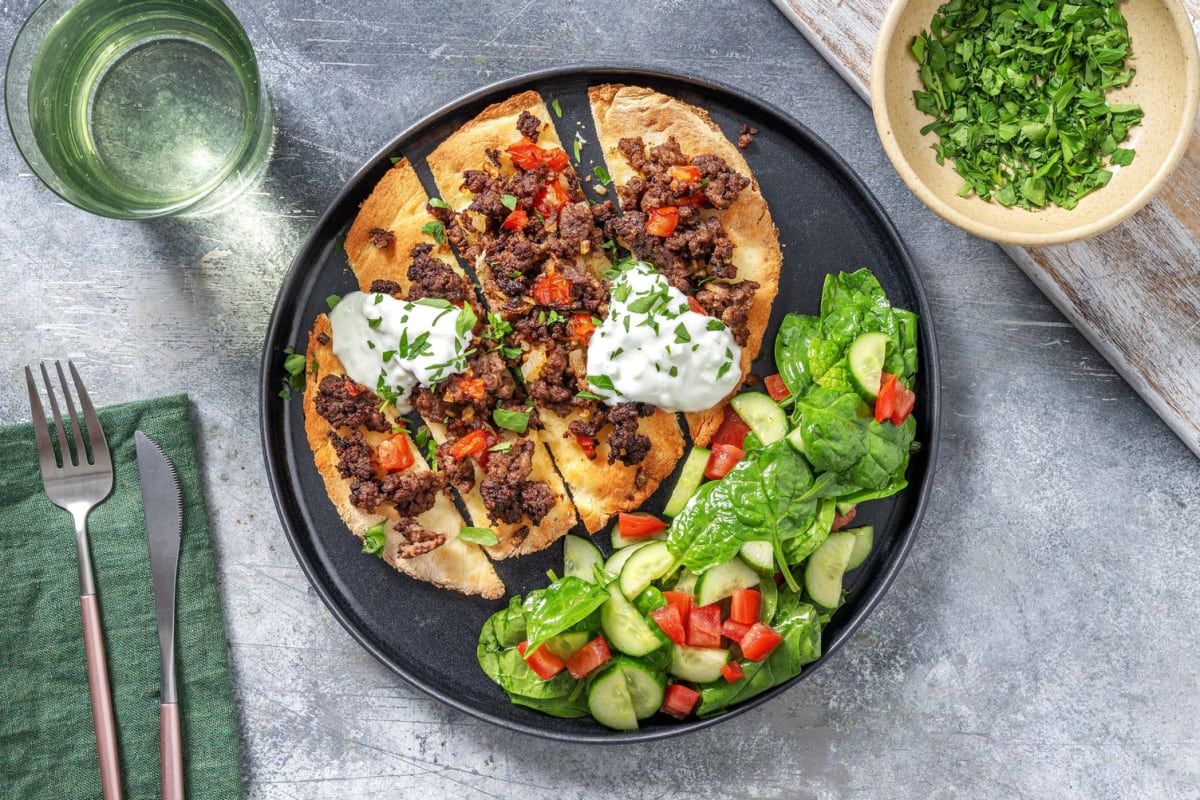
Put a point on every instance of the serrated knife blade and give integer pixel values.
(163, 506)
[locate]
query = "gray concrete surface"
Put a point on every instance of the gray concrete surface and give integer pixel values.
(1039, 642)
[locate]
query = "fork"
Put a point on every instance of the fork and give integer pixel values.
(78, 483)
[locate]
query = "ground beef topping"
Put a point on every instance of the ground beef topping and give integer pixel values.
(382, 286)
(342, 408)
(431, 277)
(412, 492)
(416, 540)
(507, 492)
(529, 126)
(746, 136)
(730, 303)
(625, 443)
(381, 238)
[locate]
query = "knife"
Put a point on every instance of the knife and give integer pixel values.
(163, 506)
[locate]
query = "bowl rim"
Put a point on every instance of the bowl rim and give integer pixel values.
(1135, 203)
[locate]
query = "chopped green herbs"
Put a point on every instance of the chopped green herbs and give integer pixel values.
(557, 108)
(435, 229)
(515, 421)
(437, 202)
(374, 539)
(509, 201)
(1018, 89)
(332, 301)
(483, 536)
(601, 175)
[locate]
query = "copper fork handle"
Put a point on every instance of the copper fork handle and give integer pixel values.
(102, 710)
(171, 752)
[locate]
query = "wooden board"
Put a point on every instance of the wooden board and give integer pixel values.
(1134, 292)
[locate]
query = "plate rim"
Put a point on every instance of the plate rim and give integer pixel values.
(276, 459)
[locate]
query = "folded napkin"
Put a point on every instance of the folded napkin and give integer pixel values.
(47, 742)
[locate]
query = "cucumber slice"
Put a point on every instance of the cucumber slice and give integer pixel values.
(616, 562)
(610, 701)
(823, 574)
(565, 645)
(723, 579)
(865, 358)
(646, 686)
(759, 556)
(699, 664)
(579, 555)
(689, 481)
(864, 540)
(764, 416)
(770, 600)
(619, 540)
(686, 582)
(625, 628)
(647, 564)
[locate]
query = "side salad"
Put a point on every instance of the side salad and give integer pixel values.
(729, 598)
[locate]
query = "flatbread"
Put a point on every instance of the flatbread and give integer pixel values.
(599, 489)
(632, 111)
(398, 205)
(456, 565)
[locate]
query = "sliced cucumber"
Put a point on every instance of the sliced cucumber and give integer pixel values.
(770, 599)
(823, 574)
(686, 582)
(699, 664)
(579, 555)
(646, 686)
(865, 358)
(616, 562)
(759, 556)
(610, 700)
(864, 540)
(689, 481)
(647, 564)
(619, 540)
(625, 628)
(723, 579)
(764, 416)
(565, 645)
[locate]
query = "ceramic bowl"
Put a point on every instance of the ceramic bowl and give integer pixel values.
(1167, 86)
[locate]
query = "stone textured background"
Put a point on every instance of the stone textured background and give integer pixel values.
(1040, 641)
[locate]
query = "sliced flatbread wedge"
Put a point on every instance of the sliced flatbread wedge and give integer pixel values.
(631, 112)
(599, 488)
(455, 564)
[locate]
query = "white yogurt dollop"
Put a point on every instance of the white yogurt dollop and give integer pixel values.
(390, 346)
(652, 348)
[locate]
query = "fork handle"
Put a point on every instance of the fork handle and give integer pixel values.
(171, 752)
(102, 710)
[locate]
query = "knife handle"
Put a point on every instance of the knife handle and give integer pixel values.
(102, 710)
(171, 752)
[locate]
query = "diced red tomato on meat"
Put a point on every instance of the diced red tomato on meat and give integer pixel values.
(552, 289)
(661, 221)
(588, 658)
(694, 305)
(733, 429)
(528, 155)
(685, 174)
(679, 700)
(745, 605)
(732, 672)
(759, 641)
(776, 387)
(587, 444)
(474, 388)
(721, 460)
(352, 388)
(582, 327)
(704, 626)
(541, 661)
(516, 221)
(671, 621)
(550, 199)
(395, 454)
(636, 526)
(474, 443)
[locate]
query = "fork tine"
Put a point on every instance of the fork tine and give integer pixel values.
(63, 445)
(79, 454)
(99, 444)
(40, 430)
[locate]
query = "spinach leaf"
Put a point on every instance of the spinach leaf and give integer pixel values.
(806, 542)
(886, 458)
(832, 427)
(800, 626)
(796, 333)
(559, 606)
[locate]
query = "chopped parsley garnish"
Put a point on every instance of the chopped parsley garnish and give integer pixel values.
(715, 325)
(431, 302)
(437, 202)
(293, 365)
(498, 327)
(681, 334)
(1018, 93)
(509, 201)
(501, 447)
(575, 147)
(375, 538)
(515, 421)
(589, 396)
(395, 159)
(466, 320)
(557, 108)
(673, 371)
(481, 536)
(374, 323)
(435, 229)
(332, 301)
(603, 382)
(601, 175)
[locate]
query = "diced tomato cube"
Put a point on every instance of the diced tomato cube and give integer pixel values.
(759, 641)
(550, 199)
(541, 661)
(905, 400)
(679, 700)
(395, 454)
(685, 174)
(733, 429)
(588, 657)
(661, 221)
(732, 629)
(552, 289)
(732, 672)
(637, 526)
(474, 443)
(582, 327)
(516, 221)
(721, 460)
(473, 388)
(704, 626)
(694, 305)
(527, 155)
(556, 159)
(681, 600)
(671, 621)
(776, 387)
(587, 444)
(885, 401)
(745, 606)
(352, 388)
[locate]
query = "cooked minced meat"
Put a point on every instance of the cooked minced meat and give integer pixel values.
(417, 540)
(340, 408)
(508, 494)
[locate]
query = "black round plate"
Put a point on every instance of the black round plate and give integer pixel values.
(828, 222)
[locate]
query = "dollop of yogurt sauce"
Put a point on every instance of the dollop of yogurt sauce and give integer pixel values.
(652, 348)
(391, 346)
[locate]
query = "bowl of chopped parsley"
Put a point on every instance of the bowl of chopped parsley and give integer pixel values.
(1035, 122)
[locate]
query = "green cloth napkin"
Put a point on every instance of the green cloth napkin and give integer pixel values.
(47, 742)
